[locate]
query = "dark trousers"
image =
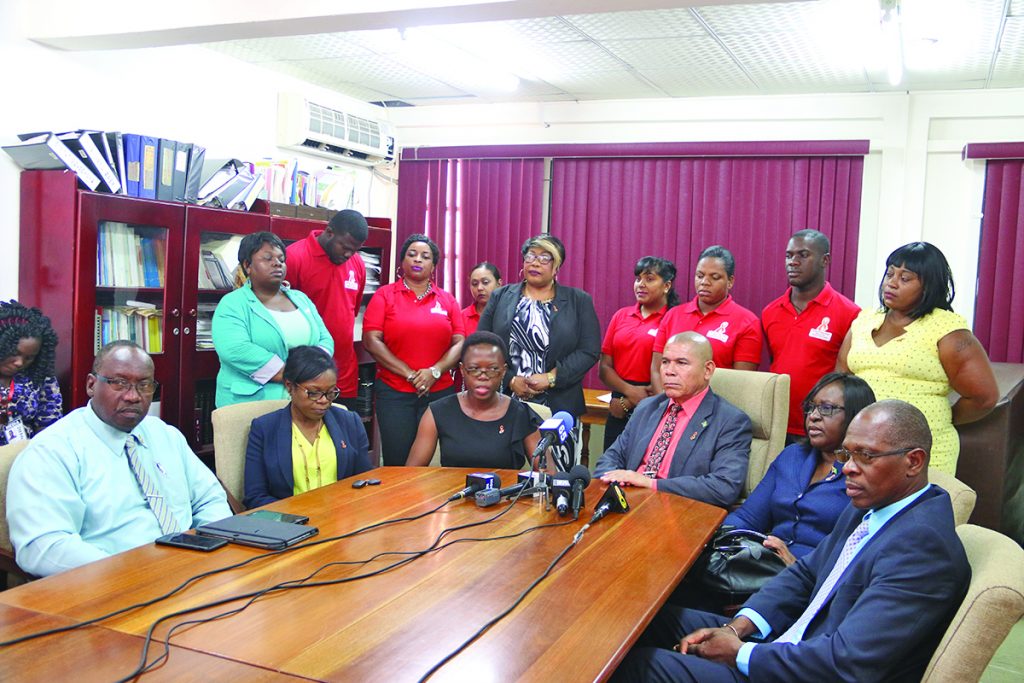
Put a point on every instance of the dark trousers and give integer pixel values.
(398, 418)
(652, 658)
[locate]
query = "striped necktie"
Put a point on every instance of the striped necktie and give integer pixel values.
(660, 449)
(157, 503)
(795, 633)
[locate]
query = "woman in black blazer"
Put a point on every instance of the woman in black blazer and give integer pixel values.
(309, 443)
(551, 329)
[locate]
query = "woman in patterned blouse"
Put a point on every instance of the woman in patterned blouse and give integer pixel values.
(29, 394)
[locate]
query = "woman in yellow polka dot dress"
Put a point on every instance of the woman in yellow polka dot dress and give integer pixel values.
(915, 348)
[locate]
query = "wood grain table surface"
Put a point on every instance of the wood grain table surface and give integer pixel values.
(577, 624)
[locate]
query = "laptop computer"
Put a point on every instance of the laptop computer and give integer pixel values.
(260, 533)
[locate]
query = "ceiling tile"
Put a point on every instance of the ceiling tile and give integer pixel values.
(665, 53)
(613, 85)
(1010, 62)
(628, 25)
(687, 83)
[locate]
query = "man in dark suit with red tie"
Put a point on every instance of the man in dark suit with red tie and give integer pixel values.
(870, 603)
(686, 441)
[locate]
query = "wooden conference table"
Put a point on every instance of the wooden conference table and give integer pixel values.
(577, 624)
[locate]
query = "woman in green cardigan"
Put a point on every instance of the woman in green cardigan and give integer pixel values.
(255, 325)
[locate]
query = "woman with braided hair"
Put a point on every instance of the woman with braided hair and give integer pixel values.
(29, 393)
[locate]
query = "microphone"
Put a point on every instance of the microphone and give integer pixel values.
(561, 486)
(554, 429)
(579, 475)
(477, 481)
(489, 497)
(613, 500)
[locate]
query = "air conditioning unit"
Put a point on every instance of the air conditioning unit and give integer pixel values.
(320, 130)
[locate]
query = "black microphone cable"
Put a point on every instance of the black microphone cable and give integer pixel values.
(300, 583)
(214, 572)
(504, 613)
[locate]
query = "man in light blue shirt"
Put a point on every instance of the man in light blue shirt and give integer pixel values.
(870, 603)
(73, 496)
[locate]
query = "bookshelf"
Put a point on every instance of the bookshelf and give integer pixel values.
(105, 267)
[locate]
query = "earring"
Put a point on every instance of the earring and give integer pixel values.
(399, 273)
(521, 272)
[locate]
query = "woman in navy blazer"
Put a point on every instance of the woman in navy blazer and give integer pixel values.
(280, 442)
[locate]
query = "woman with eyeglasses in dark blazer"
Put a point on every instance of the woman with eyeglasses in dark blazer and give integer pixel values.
(310, 442)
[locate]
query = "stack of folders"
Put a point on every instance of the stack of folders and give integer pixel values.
(230, 184)
(372, 261)
(115, 162)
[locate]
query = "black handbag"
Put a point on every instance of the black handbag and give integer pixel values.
(737, 564)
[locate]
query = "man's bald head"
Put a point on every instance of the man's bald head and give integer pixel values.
(696, 341)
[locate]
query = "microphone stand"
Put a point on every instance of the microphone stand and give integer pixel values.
(541, 484)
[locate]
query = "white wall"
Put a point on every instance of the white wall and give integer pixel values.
(185, 93)
(915, 185)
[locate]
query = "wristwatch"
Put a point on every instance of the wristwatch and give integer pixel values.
(435, 372)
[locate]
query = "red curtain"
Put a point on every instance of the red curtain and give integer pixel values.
(611, 212)
(999, 307)
(475, 209)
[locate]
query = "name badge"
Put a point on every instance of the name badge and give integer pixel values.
(821, 331)
(15, 430)
(720, 334)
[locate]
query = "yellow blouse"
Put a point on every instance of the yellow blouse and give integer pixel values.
(908, 368)
(313, 464)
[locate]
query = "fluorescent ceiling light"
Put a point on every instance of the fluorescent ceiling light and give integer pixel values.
(439, 58)
(892, 40)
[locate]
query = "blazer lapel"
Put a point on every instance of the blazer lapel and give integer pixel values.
(647, 433)
(334, 430)
(691, 437)
(282, 447)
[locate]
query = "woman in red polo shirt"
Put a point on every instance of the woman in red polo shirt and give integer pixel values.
(734, 332)
(629, 341)
(483, 279)
(414, 331)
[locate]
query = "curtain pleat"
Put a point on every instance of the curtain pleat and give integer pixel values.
(611, 212)
(999, 307)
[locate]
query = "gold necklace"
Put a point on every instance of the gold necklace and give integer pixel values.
(305, 459)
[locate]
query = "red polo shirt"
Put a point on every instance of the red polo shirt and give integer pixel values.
(734, 332)
(629, 341)
(418, 332)
(805, 345)
(337, 293)
(470, 318)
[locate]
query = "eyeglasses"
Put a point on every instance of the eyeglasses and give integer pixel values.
(543, 259)
(489, 373)
(824, 409)
(314, 395)
(146, 387)
(864, 458)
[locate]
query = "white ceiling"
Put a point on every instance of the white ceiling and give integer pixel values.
(816, 46)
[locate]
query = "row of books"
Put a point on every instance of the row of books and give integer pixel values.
(160, 168)
(141, 323)
(128, 257)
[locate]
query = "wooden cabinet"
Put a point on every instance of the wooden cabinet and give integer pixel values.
(107, 266)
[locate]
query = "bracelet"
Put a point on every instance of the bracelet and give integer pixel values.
(622, 402)
(731, 628)
(551, 380)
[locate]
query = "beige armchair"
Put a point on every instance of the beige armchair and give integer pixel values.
(994, 603)
(230, 437)
(8, 454)
(962, 495)
(764, 397)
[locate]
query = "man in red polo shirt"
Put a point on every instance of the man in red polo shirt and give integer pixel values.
(327, 268)
(806, 326)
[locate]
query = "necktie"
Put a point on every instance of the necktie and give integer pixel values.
(795, 633)
(156, 501)
(660, 449)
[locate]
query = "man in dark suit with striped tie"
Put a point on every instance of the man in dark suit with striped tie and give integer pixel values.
(686, 441)
(870, 603)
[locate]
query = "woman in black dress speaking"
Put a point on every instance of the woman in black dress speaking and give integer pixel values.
(478, 427)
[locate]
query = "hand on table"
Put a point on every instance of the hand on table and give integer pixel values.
(628, 478)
